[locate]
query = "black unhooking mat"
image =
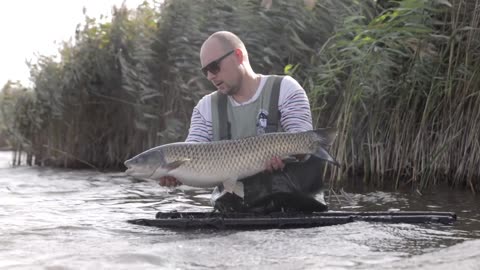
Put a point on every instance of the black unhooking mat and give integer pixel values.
(216, 220)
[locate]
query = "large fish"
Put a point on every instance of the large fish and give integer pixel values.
(208, 164)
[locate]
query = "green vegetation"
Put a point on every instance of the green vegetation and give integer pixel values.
(14, 100)
(400, 79)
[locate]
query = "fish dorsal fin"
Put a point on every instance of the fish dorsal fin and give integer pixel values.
(326, 135)
(175, 164)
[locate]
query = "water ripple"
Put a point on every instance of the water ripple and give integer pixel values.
(61, 219)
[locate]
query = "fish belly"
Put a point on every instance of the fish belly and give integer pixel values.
(197, 178)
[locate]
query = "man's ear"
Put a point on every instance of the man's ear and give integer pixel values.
(239, 55)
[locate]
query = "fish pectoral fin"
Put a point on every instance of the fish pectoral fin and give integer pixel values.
(323, 154)
(289, 159)
(175, 164)
(233, 186)
(229, 185)
(295, 158)
(239, 189)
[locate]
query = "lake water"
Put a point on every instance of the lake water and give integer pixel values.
(64, 219)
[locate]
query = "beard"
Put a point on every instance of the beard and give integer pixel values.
(232, 90)
(232, 86)
(228, 89)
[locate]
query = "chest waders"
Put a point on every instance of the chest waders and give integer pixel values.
(292, 189)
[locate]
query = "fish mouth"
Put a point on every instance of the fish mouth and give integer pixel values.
(139, 173)
(129, 171)
(128, 164)
(134, 173)
(130, 168)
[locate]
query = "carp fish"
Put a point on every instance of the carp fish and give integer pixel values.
(209, 164)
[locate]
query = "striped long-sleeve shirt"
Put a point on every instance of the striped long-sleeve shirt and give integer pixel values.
(293, 105)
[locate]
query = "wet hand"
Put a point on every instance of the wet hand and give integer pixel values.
(169, 181)
(274, 164)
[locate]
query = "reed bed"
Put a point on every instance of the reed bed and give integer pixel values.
(400, 79)
(406, 82)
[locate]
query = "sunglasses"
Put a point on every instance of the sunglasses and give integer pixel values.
(214, 66)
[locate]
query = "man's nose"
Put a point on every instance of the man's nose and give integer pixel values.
(210, 76)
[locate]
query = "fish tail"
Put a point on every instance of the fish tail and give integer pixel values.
(325, 138)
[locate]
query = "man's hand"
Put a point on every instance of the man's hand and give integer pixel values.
(274, 164)
(169, 181)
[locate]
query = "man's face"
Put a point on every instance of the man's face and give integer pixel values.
(220, 66)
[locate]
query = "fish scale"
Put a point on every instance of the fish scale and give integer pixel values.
(234, 155)
(208, 164)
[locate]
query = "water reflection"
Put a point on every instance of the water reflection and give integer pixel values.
(60, 219)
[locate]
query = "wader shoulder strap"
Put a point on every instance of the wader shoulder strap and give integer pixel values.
(224, 125)
(273, 112)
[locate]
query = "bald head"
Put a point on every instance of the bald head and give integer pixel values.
(224, 41)
(227, 40)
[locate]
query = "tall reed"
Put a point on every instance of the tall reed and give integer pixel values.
(401, 87)
(399, 79)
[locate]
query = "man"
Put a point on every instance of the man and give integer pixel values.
(246, 98)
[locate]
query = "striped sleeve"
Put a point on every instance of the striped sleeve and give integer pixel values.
(294, 107)
(200, 130)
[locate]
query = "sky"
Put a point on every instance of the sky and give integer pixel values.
(29, 28)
